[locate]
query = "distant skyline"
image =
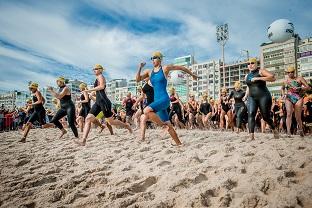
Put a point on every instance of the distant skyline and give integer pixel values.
(41, 40)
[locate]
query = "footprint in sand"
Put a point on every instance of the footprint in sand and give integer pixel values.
(143, 185)
(164, 163)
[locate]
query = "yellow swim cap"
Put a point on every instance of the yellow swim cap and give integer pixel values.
(237, 84)
(99, 67)
(223, 89)
(82, 86)
(33, 85)
(254, 60)
(291, 69)
(158, 54)
(29, 100)
(61, 79)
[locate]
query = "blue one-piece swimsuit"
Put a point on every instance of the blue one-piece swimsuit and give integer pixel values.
(161, 97)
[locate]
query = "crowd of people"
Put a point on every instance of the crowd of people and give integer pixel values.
(252, 109)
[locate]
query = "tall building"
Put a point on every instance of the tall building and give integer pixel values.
(74, 88)
(111, 87)
(48, 98)
(208, 81)
(182, 87)
(305, 58)
(235, 71)
(14, 99)
(133, 86)
(276, 58)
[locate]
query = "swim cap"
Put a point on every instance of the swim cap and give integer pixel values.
(99, 67)
(158, 54)
(33, 85)
(61, 79)
(237, 84)
(82, 86)
(252, 60)
(291, 69)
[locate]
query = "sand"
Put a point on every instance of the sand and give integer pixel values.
(212, 169)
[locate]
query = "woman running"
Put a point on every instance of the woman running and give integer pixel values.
(293, 90)
(240, 108)
(158, 77)
(175, 109)
(102, 103)
(226, 110)
(39, 112)
(67, 108)
(259, 97)
(85, 106)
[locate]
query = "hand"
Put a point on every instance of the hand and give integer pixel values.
(195, 76)
(244, 98)
(133, 107)
(255, 79)
(141, 65)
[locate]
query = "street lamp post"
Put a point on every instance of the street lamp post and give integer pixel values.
(222, 37)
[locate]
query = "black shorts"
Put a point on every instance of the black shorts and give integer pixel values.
(84, 112)
(105, 108)
(37, 116)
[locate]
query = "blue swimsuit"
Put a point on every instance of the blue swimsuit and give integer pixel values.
(161, 97)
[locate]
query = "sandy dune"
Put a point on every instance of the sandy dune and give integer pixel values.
(212, 169)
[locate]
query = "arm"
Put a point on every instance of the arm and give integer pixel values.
(59, 95)
(86, 100)
(265, 76)
(304, 83)
(283, 92)
(138, 101)
(169, 68)
(39, 97)
(101, 85)
(92, 97)
(145, 74)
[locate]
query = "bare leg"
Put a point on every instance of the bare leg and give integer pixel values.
(298, 111)
(173, 134)
(116, 122)
(289, 110)
(26, 131)
(90, 119)
(143, 120)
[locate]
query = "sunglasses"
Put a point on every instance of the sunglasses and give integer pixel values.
(251, 63)
(96, 69)
(289, 72)
(155, 57)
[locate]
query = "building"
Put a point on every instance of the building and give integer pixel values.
(133, 86)
(111, 87)
(14, 99)
(208, 81)
(276, 58)
(120, 94)
(305, 58)
(74, 88)
(182, 87)
(235, 71)
(48, 98)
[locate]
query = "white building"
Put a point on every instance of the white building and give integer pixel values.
(305, 58)
(111, 87)
(276, 58)
(14, 99)
(208, 81)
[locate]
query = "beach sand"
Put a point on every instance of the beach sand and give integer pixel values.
(211, 169)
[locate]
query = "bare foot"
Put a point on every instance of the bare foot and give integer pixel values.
(129, 128)
(102, 128)
(80, 143)
(23, 140)
(276, 134)
(63, 133)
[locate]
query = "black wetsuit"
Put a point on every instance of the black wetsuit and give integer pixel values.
(129, 104)
(259, 97)
(102, 103)
(67, 108)
(85, 107)
(205, 108)
(176, 109)
(225, 106)
(38, 114)
(149, 92)
(239, 106)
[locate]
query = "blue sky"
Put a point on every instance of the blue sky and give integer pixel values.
(41, 40)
